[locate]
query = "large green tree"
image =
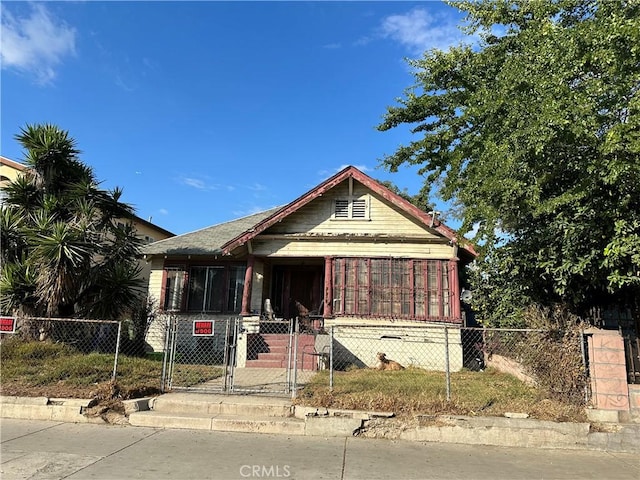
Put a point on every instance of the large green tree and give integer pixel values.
(535, 133)
(67, 248)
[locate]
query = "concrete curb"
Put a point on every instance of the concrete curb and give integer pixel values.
(69, 410)
(277, 416)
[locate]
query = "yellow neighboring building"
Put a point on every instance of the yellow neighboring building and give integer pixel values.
(146, 231)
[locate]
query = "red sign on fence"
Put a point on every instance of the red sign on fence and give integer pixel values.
(7, 324)
(202, 328)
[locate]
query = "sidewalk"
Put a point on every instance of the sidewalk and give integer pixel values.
(275, 415)
(53, 450)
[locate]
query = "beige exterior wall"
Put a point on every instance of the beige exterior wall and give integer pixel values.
(376, 236)
(9, 170)
(143, 230)
(155, 268)
(384, 218)
(351, 248)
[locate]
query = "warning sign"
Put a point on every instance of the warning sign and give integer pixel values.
(7, 324)
(203, 328)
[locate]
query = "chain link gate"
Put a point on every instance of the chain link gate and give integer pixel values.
(229, 356)
(198, 354)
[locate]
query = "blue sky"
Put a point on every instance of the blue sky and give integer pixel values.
(207, 111)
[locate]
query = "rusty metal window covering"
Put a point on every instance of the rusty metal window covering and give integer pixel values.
(390, 287)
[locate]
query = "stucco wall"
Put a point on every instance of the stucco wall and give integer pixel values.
(409, 344)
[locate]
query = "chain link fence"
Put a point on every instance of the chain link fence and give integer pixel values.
(550, 360)
(84, 336)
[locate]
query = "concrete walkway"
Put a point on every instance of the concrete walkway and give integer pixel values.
(261, 380)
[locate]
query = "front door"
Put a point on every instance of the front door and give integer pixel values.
(301, 284)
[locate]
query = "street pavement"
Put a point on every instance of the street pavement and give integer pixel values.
(45, 450)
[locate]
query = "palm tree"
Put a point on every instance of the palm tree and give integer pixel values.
(63, 252)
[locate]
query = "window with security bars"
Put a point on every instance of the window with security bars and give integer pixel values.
(386, 287)
(350, 209)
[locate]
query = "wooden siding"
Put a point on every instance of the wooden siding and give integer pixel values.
(347, 248)
(155, 279)
(316, 216)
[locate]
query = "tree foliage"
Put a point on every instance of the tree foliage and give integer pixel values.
(420, 200)
(63, 251)
(536, 134)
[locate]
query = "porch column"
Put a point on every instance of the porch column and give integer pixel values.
(454, 288)
(246, 292)
(328, 288)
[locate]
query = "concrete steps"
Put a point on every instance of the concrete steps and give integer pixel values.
(220, 413)
(222, 423)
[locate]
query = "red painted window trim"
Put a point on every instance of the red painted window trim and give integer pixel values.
(396, 268)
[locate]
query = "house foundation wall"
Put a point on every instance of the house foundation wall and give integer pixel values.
(426, 346)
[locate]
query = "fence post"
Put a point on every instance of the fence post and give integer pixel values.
(172, 357)
(115, 360)
(296, 331)
(165, 357)
(227, 353)
(584, 366)
(446, 363)
(289, 359)
(331, 360)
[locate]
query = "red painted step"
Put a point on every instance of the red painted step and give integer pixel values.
(272, 351)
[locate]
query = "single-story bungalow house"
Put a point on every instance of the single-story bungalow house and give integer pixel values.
(349, 253)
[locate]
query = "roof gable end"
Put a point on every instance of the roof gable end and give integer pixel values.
(349, 172)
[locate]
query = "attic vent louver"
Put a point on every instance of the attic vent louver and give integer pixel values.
(342, 209)
(359, 209)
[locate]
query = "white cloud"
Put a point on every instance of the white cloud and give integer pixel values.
(164, 211)
(35, 44)
(196, 183)
(419, 30)
(257, 187)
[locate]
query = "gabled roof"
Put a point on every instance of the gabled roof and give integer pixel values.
(153, 226)
(373, 185)
(221, 239)
(207, 241)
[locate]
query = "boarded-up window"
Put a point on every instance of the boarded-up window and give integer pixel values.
(396, 288)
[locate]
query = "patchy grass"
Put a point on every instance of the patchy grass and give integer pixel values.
(416, 391)
(56, 370)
